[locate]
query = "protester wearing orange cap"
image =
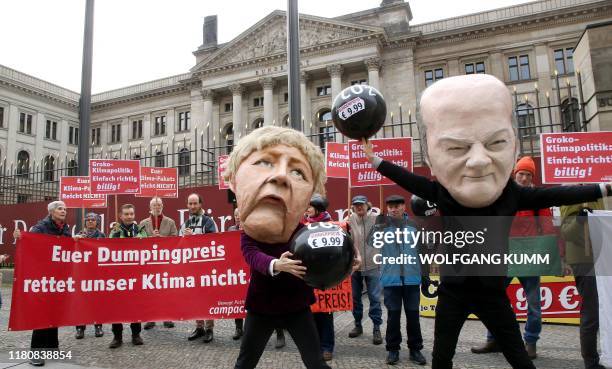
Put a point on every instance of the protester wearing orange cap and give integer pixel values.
(524, 171)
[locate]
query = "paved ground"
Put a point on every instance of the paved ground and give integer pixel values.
(168, 348)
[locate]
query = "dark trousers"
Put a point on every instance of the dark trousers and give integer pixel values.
(410, 296)
(44, 338)
(325, 327)
(84, 326)
(491, 305)
(589, 313)
(134, 327)
(259, 327)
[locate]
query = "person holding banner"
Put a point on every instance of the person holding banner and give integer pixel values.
(158, 225)
(199, 223)
(53, 224)
(127, 228)
(360, 224)
(400, 282)
(579, 257)
(274, 171)
(3, 258)
(470, 145)
(92, 230)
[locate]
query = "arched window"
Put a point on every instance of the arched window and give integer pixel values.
(23, 163)
(72, 168)
(228, 136)
(569, 115)
(258, 123)
(184, 162)
(286, 121)
(49, 168)
(160, 159)
(526, 120)
(326, 128)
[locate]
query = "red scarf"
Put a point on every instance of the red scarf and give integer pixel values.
(156, 224)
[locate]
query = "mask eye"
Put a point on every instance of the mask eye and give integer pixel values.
(298, 173)
(263, 163)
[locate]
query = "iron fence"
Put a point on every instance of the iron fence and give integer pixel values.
(197, 161)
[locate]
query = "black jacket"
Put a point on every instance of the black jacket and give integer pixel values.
(497, 217)
(48, 226)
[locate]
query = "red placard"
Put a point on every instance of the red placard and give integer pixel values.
(361, 172)
(114, 177)
(560, 299)
(339, 298)
(220, 168)
(160, 182)
(75, 192)
(576, 157)
(63, 282)
(336, 160)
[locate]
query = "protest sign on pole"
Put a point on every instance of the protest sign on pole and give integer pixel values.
(75, 192)
(576, 157)
(395, 150)
(114, 177)
(336, 160)
(160, 182)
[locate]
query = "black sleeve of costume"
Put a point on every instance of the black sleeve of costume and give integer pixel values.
(541, 197)
(413, 183)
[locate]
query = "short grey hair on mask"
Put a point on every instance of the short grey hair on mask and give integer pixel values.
(54, 205)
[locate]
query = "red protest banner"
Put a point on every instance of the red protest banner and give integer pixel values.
(576, 157)
(75, 192)
(220, 168)
(560, 299)
(161, 182)
(63, 282)
(338, 298)
(336, 160)
(396, 150)
(114, 176)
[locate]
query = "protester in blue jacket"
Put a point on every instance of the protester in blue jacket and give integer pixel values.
(393, 234)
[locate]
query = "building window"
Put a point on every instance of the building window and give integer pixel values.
(564, 60)
(95, 136)
(72, 168)
(324, 90)
(160, 159)
(569, 115)
(229, 107)
(23, 163)
(25, 123)
(526, 120)
(258, 123)
(160, 125)
(136, 157)
(51, 130)
(73, 135)
(228, 134)
(518, 68)
(286, 97)
(184, 161)
(433, 75)
(325, 130)
(475, 68)
(137, 129)
(258, 101)
(22, 199)
(116, 133)
(49, 170)
(184, 119)
(359, 82)
(1, 117)
(286, 121)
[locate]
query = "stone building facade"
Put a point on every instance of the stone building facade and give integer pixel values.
(238, 86)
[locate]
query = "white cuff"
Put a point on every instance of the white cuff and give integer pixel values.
(376, 162)
(271, 268)
(604, 189)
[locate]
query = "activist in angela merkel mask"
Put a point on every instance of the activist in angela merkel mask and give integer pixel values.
(274, 171)
(470, 140)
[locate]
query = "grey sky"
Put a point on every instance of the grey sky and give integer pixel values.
(140, 40)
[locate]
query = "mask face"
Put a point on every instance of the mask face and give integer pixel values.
(273, 186)
(470, 141)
